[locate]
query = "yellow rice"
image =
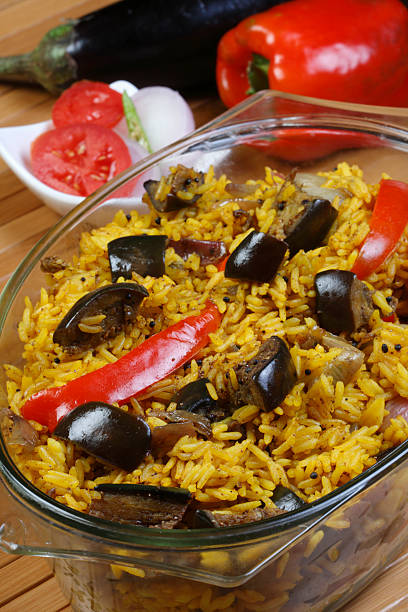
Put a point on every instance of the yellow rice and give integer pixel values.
(330, 430)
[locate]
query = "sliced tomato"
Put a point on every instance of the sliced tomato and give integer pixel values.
(78, 159)
(88, 101)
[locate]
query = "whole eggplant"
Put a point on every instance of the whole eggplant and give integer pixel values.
(158, 42)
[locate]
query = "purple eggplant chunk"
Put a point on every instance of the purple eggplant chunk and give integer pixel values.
(210, 251)
(184, 181)
(141, 254)
(164, 437)
(108, 433)
(343, 302)
(256, 259)
(266, 379)
(119, 303)
(143, 505)
(195, 398)
(308, 231)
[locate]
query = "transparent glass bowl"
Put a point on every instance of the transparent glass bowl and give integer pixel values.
(315, 558)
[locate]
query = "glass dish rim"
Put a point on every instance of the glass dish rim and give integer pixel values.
(220, 127)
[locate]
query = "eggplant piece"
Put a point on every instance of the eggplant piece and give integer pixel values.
(177, 42)
(305, 218)
(194, 397)
(201, 423)
(203, 519)
(343, 302)
(182, 182)
(144, 505)
(18, 430)
(141, 254)
(286, 500)
(52, 264)
(164, 437)
(256, 259)
(108, 433)
(266, 379)
(210, 251)
(119, 305)
(308, 230)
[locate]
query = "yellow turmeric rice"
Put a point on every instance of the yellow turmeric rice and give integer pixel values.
(317, 439)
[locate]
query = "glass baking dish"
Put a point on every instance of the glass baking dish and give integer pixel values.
(315, 558)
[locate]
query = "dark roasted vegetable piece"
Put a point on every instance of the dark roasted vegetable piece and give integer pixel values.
(141, 254)
(286, 500)
(177, 41)
(52, 264)
(201, 424)
(144, 505)
(308, 230)
(108, 433)
(267, 378)
(257, 258)
(205, 518)
(210, 251)
(119, 303)
(194, 397)
(164, 437)
(343, 302)
(183, 184)
(17, 429)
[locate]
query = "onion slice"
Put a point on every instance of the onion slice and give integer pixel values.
(163, 113)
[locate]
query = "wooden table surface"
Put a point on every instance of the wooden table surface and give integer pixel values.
(27, 583)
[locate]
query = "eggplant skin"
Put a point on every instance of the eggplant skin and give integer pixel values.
(286, 500)
(141, 254)
(108, 433)
(312, 227)
(145, 505)
(173, 44)
(266, 379)
(256, 259)
(118, 302)
(343, 302)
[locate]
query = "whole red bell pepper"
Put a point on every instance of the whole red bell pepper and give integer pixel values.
(130, 376)
(354, 50)
(388, 221)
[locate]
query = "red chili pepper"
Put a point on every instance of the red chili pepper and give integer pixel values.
(132, 374)
(388, 221)
(354, 51)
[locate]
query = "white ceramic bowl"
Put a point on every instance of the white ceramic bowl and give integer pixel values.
(15, 144)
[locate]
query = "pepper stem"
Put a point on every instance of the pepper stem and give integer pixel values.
(257, 73)
(49, 64)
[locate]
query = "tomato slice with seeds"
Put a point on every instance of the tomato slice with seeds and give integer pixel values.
(78, 159)
(88, 102)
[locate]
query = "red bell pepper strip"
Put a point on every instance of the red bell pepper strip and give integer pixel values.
(354, 51)
(388, 221)
(132, 374)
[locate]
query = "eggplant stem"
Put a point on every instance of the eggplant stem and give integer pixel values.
(49, 64)
(17, 68)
